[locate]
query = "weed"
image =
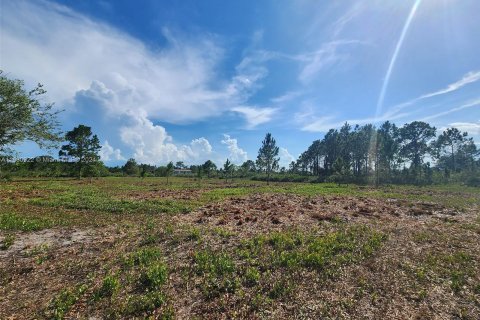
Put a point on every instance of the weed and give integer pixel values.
(209, 262)
(145, 303)
(13, 222)
(7, 242)
(154, 276)
(252, 276)
(110, 285)
(193, 234)
(280, 289)
(143, 257)
(62, 303)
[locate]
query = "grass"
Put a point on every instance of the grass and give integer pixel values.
(15, 222)
(62, 303)
(150, 256)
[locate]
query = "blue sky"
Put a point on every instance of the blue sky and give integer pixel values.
(197, 80)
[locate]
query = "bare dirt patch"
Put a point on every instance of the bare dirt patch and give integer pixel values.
(263, 212)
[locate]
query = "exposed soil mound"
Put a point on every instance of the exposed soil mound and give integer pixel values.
(262, 212)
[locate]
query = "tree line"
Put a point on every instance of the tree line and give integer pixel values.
(412, 153)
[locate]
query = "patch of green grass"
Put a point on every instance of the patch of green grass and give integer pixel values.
(194, 234)
(7, 242)
(280, 289)
(84, 198)
(251, 277)
(13, 222)
(209, 262)
(143, 257)
(222, 232)
(110, 285)
(154, 276)
(293, 250)
(454, 269)
(64, 301)
(144, 303)
(217, 271)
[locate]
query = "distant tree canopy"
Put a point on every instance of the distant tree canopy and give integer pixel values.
(82, 147)
(24, 117)
(387, 154)
(130, 168)
(209, 167)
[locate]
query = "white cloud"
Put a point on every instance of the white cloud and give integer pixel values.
(285, 157)
(152, 144)
(328, 54)
(107, 153)
(74, 56)
(468, 78)
(473, 128)
(255, 116)
(471, 104)
(236, 154)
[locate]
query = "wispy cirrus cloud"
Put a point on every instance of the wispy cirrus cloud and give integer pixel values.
(327, 55)
(255, 116)
(473, 128)
(470, 104)
(468, 78)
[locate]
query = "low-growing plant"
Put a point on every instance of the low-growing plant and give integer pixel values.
(252, 276)
(7, 242)
(154, 276)
(145, 303)
(143, 257)
(64, 301)
(14, 222)
(110, 285)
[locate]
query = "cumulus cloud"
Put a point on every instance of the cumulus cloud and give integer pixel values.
(236, 154)
(285, 157)
(255, 116)
(108, 153)
(76, 56)
(152, 144)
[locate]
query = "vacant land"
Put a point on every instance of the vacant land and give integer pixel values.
(137, 248)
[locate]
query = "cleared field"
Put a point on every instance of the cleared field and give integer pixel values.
(136, 248)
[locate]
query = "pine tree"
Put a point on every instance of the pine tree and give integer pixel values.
(267, 158)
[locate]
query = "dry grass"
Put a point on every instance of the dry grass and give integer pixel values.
(288, 251)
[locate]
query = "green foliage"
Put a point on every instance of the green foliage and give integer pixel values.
(143, 257)
(110, 285)
(63, 302)
(154, 276)
(267, 159)
(252, 276)
(130, 168)
(209, 262)
(209, 167)
(82, 147)
(24, 117)
(145, 303)
(13, 222)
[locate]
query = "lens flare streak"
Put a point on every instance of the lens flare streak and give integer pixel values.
(394, 57)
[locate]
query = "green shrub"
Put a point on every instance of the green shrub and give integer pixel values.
(154, 276)
(110, 286)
